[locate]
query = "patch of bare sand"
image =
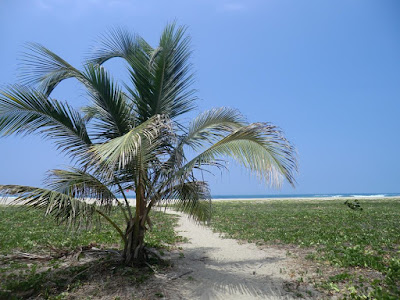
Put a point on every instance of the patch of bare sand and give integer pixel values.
(213, 267)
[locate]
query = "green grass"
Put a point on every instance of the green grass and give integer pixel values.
(30, 232)
(365, 240)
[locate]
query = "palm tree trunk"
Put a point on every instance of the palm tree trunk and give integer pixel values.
(134, 253)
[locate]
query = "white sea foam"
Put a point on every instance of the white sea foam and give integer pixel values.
(369, 196)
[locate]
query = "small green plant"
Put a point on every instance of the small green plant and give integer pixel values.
(354, 205)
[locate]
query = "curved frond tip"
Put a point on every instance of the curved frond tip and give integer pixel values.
(44, 68)
(82, 185)
(259, 147)
(25, 111)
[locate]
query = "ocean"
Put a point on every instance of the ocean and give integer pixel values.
(333, 196)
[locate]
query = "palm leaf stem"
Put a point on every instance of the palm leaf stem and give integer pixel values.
(121, 206)
(128, 207)
(113, 224)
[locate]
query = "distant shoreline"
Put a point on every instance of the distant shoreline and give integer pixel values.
(308, 198)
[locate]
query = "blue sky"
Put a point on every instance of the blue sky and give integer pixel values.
(326, 72)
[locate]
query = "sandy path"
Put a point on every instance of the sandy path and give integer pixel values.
(217, 268)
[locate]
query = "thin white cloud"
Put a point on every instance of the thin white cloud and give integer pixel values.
(233, 6)
(42, 5)
(77, 8)
(52, 4)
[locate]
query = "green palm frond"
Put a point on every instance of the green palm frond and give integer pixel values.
(171, 70)
(80, 184)
(26, 111)
(116, 43)
(109, 109)
(206, 129)
(90, 112)
(192, 198)
(141, 89)
(61, 206)
(212, 125)
(260, 147)
(44, 67)
(120, 152)
(47, 69)
(161, 77)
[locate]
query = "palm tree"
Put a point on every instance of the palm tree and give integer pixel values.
(130, 136)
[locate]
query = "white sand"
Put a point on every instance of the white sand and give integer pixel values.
(218, 268)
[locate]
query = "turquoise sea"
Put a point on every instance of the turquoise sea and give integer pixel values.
(333, 196)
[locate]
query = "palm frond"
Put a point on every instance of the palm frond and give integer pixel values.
(118, 153)
(44, 67)
(61, 206)
(212, 125)
(90, 112)
(109, 109)
(259, 147)
(206, 129)
(115, 43)
(162, 77)
(77, 183)
(172, 73)
(193, 198)
(141, 89)
(26, 111)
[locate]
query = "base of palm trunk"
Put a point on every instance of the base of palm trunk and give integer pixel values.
(135, 256)
(134, 250)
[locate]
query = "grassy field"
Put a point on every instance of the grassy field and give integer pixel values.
(29, 232)
(362, 247)
(353, 254)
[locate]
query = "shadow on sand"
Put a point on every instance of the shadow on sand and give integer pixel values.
(238, 279)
